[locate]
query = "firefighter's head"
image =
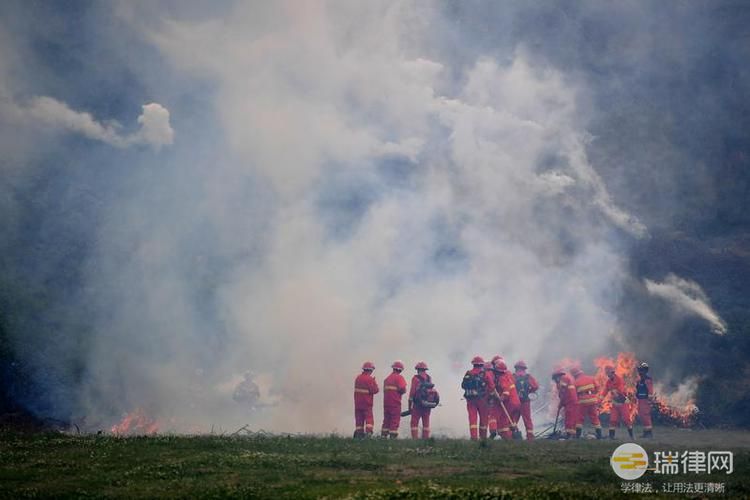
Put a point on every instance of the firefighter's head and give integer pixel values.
(610, 371)
(557, 373)
(520, 365)
(499, 366)
(421, 367)
(477, 361)
(495, 358)
(368, 366)
(643, 369)
(576, 371)
(398, 366)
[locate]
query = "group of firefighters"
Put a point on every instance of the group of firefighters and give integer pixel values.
(496, 400)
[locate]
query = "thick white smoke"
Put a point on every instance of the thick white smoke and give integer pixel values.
(407, 215)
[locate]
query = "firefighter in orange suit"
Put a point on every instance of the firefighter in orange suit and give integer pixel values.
(644, 393)
(566, 391)
(477, 384)
(492, 402)
(588, 401)
(365, 386)
(503, 402)
(418, 412)
(394, 387)
(526, 384)
(615, 387)
(514, 401)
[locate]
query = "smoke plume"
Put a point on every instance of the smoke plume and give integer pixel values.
(687, 297)
(155, 129)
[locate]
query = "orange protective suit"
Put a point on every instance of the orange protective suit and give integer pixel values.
(531, 385)
(477, 407)
(620, 412)
(418, 413)
(394, 387)
(365, 386)
(644, 392)
(504, 412)
(588, 402)
(566, 391)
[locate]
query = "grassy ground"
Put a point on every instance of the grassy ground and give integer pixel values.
(54, 465)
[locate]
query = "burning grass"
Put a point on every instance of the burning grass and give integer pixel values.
(54, 465)
(676, 409)
(136, 423)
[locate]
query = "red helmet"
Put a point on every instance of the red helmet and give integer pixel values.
(421, 366)
(558, 370)
(477, 360)
(496, 357)
(368, 365)
(397, 365)
(575, 371)
(499, 365)
(520, 364)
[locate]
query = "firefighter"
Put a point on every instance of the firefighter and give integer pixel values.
(503, 403)
(644, 393)
(588, 401)
(421, 400)
(247, 392)
(615, 387)
(526, 384)
(496, 422)
(477, 384)
(394, 387)
(365, 387)
(566, 391)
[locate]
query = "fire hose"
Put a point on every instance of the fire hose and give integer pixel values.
(406, 413)
(545, 405)
(553, 426)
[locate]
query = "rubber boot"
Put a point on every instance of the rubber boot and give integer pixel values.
(529, 436)
(630, 432)
(493, 434)
(579, 431)
(599, 434)
(611, 434)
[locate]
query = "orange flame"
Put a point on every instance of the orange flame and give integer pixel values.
(625, 365)
(684, 416)
(136, 423)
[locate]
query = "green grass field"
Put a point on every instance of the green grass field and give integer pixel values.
(55, 465)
